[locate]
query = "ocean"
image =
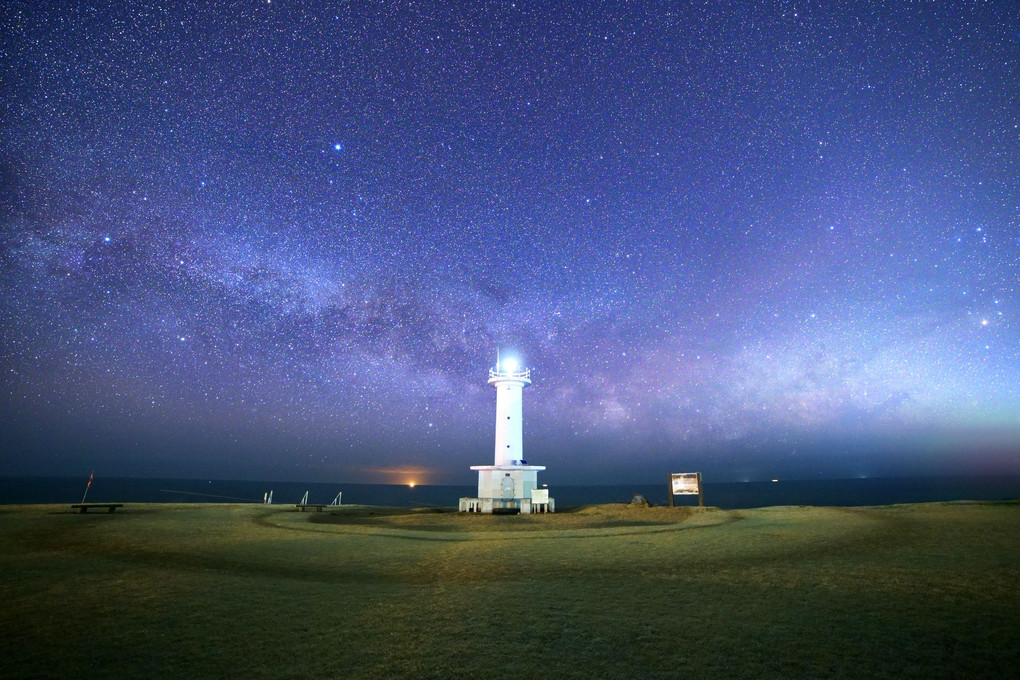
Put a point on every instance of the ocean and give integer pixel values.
(829, 492)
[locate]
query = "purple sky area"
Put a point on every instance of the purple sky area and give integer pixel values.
(282, 240)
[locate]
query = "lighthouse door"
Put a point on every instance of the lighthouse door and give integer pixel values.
(508, 487)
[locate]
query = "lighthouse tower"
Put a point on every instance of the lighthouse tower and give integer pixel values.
(509, 381)
(509, 485)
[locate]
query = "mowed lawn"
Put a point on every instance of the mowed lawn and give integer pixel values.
(253, 591)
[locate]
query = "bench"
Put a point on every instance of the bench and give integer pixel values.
(85, 507)
(318, 508)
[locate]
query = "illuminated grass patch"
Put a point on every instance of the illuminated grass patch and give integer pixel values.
(607, 591)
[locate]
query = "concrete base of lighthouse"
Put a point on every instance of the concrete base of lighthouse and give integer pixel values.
(508, 488)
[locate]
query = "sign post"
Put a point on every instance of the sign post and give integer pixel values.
(685, 484)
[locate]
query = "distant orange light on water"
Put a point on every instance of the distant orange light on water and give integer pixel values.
(411, 484)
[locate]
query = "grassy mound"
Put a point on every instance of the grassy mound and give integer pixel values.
(602, 591)
(569, 519)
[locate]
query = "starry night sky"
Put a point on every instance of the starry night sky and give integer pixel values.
(283, 240)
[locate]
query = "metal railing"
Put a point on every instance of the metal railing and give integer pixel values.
(524, 374)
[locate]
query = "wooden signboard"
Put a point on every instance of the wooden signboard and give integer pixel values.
(685, 484)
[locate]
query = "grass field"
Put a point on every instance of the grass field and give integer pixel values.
(253, 591)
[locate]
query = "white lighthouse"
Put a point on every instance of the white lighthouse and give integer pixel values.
(509, 484)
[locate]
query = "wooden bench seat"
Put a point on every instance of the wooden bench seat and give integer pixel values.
(85, 507)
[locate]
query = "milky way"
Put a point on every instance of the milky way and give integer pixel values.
(284, 240)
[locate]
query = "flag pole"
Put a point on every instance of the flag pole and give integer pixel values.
(91, 475)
